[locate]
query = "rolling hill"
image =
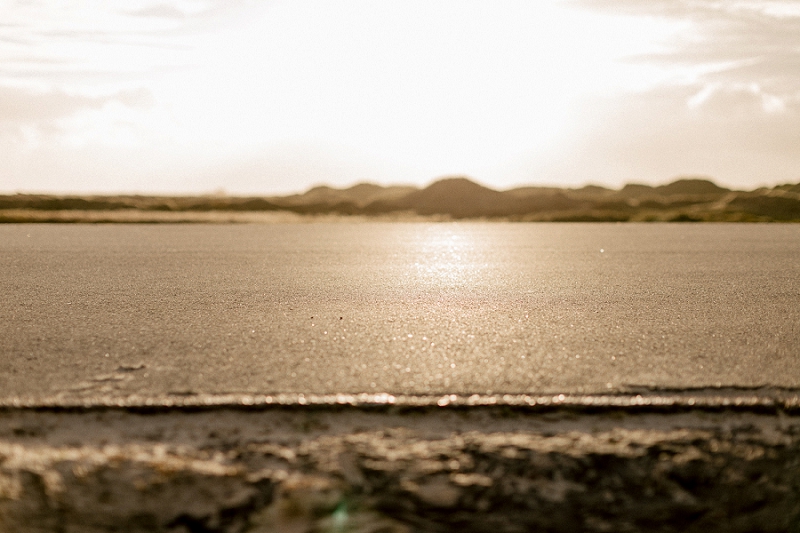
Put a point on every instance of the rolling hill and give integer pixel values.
(686, 199)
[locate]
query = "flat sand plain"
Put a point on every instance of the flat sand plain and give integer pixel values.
(108, 311)
(138, 216)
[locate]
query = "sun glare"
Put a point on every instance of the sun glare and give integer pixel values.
(450, 256)
(449, 87)
(274, 97)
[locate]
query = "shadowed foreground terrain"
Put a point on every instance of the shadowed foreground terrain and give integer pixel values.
(391, 469)
(452, 198)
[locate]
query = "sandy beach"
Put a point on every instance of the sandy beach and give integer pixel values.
(399, 267)
(380, 377)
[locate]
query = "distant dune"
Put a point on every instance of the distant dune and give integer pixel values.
(359, 195)
(686, 199)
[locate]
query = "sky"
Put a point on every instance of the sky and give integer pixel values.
(273, 97)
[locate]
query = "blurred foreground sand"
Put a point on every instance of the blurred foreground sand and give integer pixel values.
(333, 468)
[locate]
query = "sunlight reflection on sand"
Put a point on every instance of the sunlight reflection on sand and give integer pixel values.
(449, 255)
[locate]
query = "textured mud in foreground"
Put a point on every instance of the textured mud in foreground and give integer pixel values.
(320, 468)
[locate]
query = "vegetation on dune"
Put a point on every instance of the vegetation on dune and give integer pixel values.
(687, 199)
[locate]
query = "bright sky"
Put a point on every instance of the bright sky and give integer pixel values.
(193, 96)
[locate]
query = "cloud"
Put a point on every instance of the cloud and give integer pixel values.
(744, 98)
(159, 11)
(729, 105)
(45, 44)
(655, 136)
(22, 106)
(69, 43)
(696, 8)
(740, 43)
(30, 120)
(19, 105)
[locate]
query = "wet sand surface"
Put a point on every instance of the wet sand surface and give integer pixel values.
(392, 377)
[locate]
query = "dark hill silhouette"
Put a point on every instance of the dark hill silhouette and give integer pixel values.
(636, 190)
(525, 191)
(691, 186)
(680, 187)
(595, 190)
(458, 197)
(359, 195)
(686, 199)
(771, 205)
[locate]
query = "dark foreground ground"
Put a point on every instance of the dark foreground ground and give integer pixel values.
(404, 468)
